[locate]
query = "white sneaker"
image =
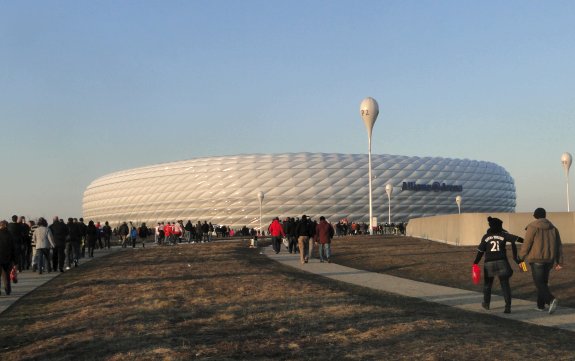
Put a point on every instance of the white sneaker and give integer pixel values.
(553, 306)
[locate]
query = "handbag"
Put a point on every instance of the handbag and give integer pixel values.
(14, 275)
(285, 242)
(475, 273)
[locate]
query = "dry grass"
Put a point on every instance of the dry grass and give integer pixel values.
(225, 301)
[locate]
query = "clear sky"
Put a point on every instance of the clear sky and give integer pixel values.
(92, 87)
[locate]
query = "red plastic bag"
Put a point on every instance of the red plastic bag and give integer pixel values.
(476, 273)
(14, 275)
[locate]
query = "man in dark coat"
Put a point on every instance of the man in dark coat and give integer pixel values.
(60, 233)
(7, 256)
(74, 242)
(16, 233)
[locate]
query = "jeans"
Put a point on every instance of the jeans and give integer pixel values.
(324, 251)
(43, 254)
(540, 272)
(505, 287)
(303, 243)
(311, 247)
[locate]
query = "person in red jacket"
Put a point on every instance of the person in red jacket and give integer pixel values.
(277, 232)
(323, 234)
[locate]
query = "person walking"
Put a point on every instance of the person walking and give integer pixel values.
(323, 235)
(289, 228)
(277, 232)
(543, 250)
(107, 233)
(143, 233)
(124, 232)
(83, 242)
(91, 236)
(133, 234)
(16, 233)
(7, 256)
(60, 233)
(302, 232)
(44, 240)
(494, 245)
(73, 244)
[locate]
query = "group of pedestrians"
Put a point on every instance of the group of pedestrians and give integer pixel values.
(541, 249)
(306, 234)
(44, 247)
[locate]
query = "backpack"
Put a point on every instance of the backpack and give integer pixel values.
(134, 233)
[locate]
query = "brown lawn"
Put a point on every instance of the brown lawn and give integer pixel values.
(224, 301)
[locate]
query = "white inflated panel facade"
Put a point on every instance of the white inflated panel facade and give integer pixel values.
(223, 190)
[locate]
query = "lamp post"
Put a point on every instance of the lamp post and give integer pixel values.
(261, 199)
(458, 201)
(566, 162)
(389, 191)
(369, 110)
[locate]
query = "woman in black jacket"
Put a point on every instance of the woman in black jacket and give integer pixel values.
(493, 244)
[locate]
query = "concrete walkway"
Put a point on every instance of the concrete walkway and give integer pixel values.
(521, 310)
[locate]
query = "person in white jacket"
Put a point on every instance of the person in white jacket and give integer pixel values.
(44, 240)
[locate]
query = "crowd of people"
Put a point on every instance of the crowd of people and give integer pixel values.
(303, 235)
(60, 245)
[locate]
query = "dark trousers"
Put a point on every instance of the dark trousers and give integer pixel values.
(5, 269)
(107, 241)
(540, 272)
(505, 287)
(19, 256)
(292, 244)
(277, 244)
(58, 257)
(72, 252)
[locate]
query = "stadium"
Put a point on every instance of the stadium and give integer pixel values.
(224, 189)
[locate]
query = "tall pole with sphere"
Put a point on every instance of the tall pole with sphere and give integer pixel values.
(261, 199)
(566, 162)
(389, 191)
(369, 110)
(458, 201)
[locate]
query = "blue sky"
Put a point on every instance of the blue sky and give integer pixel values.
(92, 87)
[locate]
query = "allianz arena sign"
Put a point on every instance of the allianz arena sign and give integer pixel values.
(433, 187)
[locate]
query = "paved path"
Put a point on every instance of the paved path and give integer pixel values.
(521, 310)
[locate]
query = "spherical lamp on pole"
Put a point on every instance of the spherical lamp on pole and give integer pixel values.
(369, 110)
(458, 201)
(566, 162)
(261, 199)
(389, 191)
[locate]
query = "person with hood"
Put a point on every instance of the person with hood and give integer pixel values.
(544, 251)
(493, 245)
(277, 232)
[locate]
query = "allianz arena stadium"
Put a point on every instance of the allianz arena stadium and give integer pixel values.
(224, 189)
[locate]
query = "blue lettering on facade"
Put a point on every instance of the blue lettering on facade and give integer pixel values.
(433, 187)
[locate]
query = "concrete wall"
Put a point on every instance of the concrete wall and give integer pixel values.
(467, 229)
